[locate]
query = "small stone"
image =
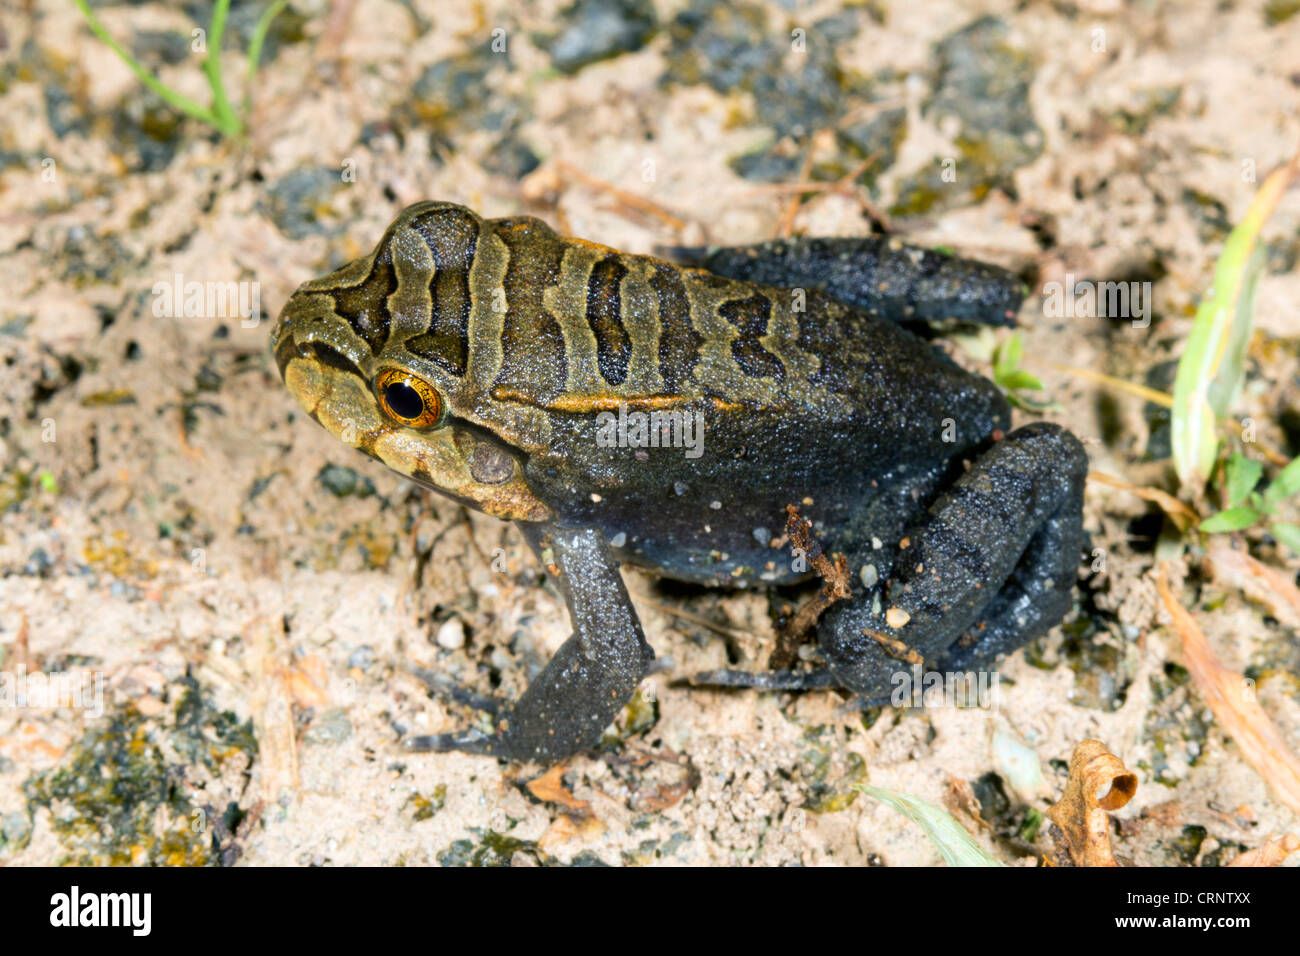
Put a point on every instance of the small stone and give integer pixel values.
(451, 635)
(896, 617)
(342, 482)
(16, 829)
(331, 727)
(869, 575)
(599, 29)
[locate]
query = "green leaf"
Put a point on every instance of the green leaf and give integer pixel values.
(227, 119)
(1241, 475)
(1211, 367)
(1007, 358)
(1287, 533)
(1234, 519)
(1020, 379)
(1286, 484)
(956, 845)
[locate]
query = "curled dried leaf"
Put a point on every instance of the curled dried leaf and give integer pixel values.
(1099, 784)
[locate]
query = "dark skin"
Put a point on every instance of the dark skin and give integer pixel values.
(483, 358)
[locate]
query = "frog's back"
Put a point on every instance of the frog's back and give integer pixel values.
(510, 315)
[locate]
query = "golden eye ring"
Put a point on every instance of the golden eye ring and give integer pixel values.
(408, 400)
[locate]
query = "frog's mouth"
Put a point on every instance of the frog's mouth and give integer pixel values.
(452, 458)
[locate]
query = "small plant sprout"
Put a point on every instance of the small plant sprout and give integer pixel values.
(221, 115)
(1012, 379)
(1246, 506)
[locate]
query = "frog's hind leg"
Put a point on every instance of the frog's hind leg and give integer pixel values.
(1036, 596)
(891, 279)
(1001, 547)
(590, 678)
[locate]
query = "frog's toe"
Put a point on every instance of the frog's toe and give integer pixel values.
(448, 690)
(765, 680)
(470, 742)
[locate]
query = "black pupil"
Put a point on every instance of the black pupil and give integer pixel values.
(403, 400)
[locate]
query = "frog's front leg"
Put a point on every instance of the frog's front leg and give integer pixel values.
(990, 567)
(591, 677)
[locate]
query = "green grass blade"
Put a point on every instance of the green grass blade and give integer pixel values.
(1210, 368)
(170, 96)
(258, 39)
(954, 843)
(227, 119)
(255, 45)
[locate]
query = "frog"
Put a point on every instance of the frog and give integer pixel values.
(667, 412)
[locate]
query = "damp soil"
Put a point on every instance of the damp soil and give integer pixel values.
(254, 598)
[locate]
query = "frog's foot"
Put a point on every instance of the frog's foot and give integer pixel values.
(591, 677)
(766, 680)
(472, 741)
(995, 559)
(895, 281)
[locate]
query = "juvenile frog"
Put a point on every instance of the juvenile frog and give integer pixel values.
(623, 409)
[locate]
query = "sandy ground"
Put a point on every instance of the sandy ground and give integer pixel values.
(252, 593)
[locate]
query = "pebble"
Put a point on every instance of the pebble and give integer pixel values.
(451, 635)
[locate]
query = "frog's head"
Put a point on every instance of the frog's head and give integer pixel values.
(377, 353)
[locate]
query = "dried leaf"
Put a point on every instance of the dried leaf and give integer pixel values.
(307, 680)
(549, 788)
(1272, 853)
(1083, 816)
(1179, 513)
(1232, 698)
(834, 573)
(566, 828)
(1257, 580)
(578, 821)
(960, 801)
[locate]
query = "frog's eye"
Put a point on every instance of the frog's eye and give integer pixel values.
(408, 400)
